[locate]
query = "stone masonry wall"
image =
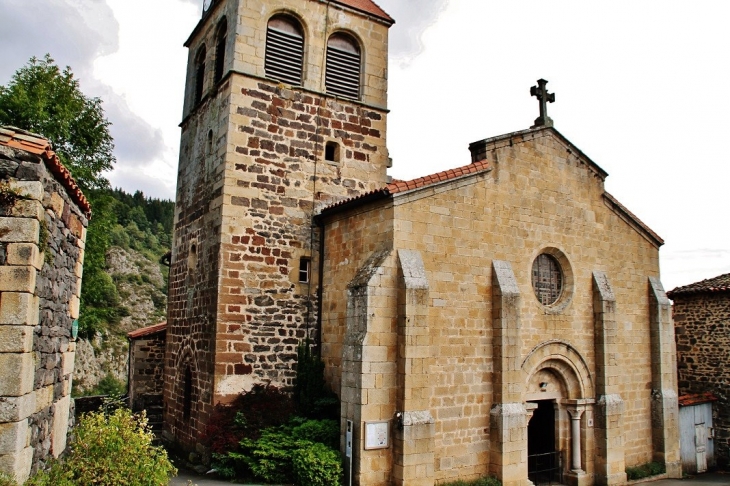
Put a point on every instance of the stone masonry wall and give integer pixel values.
(252, 174)
(703, 345)
(146, 368)
(42, 235)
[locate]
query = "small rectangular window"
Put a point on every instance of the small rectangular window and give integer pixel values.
(332, 152)
(305, 267)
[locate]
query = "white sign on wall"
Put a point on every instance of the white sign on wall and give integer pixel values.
(377, 435)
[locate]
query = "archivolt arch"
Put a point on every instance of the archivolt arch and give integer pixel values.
(565, 361)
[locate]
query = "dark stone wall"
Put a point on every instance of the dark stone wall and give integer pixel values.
(702, 329)
(146, 380)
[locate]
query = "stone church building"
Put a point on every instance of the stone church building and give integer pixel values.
(478, 321)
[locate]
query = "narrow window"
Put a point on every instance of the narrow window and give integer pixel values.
(192, 257)
(305, 267)
(284, 50)
(209, 144)
(332, 151)
(188, 393)
(343, 66)
(199, 75)
(220, 49)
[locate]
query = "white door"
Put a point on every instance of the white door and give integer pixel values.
(701, 447)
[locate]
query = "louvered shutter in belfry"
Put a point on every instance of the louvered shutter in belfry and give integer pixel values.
(284, 56)
(343, 72)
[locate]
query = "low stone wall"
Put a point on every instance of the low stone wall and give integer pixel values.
(42, 237)
(702, 329)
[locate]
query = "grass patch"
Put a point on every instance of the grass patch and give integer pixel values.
(488, 481)
(645, 470)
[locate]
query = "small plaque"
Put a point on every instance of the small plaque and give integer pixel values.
(377, 435)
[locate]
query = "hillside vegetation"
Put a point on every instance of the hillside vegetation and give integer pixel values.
(124, 285)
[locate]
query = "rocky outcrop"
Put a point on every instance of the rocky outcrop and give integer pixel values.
(140, 285)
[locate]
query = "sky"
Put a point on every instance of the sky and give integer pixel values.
(641, 89)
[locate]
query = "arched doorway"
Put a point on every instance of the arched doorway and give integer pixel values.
(547, 389)
(557, 384)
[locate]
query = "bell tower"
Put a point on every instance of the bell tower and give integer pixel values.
(285, 113)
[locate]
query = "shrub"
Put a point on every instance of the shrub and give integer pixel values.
(109, 385)
(315, 464)
(263, 407)
(326, 432)
(109, 450)
(298, 451)
(269, 457)
(57, 475)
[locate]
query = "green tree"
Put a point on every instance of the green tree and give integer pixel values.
(44, 99)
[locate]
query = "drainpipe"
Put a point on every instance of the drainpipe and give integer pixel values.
(320, 277)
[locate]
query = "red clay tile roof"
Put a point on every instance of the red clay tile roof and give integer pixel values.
(367, 6)
(397, 186)
(622, 210)
(400, 186)
(696, 399)
(19, 139)
(710, 285)
(146, 331)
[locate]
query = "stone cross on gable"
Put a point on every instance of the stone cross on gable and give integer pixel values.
(541, 92)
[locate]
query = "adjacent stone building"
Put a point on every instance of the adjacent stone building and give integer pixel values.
(43, 220)
(146, 369)
(702, 327)
(472, 322)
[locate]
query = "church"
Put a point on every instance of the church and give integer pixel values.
(503, 318)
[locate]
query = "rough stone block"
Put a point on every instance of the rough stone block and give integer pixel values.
(19, 230)
(60, 425)
(16, 339)
(23, 254)
(56, 204)
(19, 308)
(28, 208)
(43, 398)
(18, 465)
(16, 374)
(73, 307)
(31, 189)
(15, 409)
(13, 437)
(17, 279)
(68, 363)
(76, 227)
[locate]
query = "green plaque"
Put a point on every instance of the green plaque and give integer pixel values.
(75, 328)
